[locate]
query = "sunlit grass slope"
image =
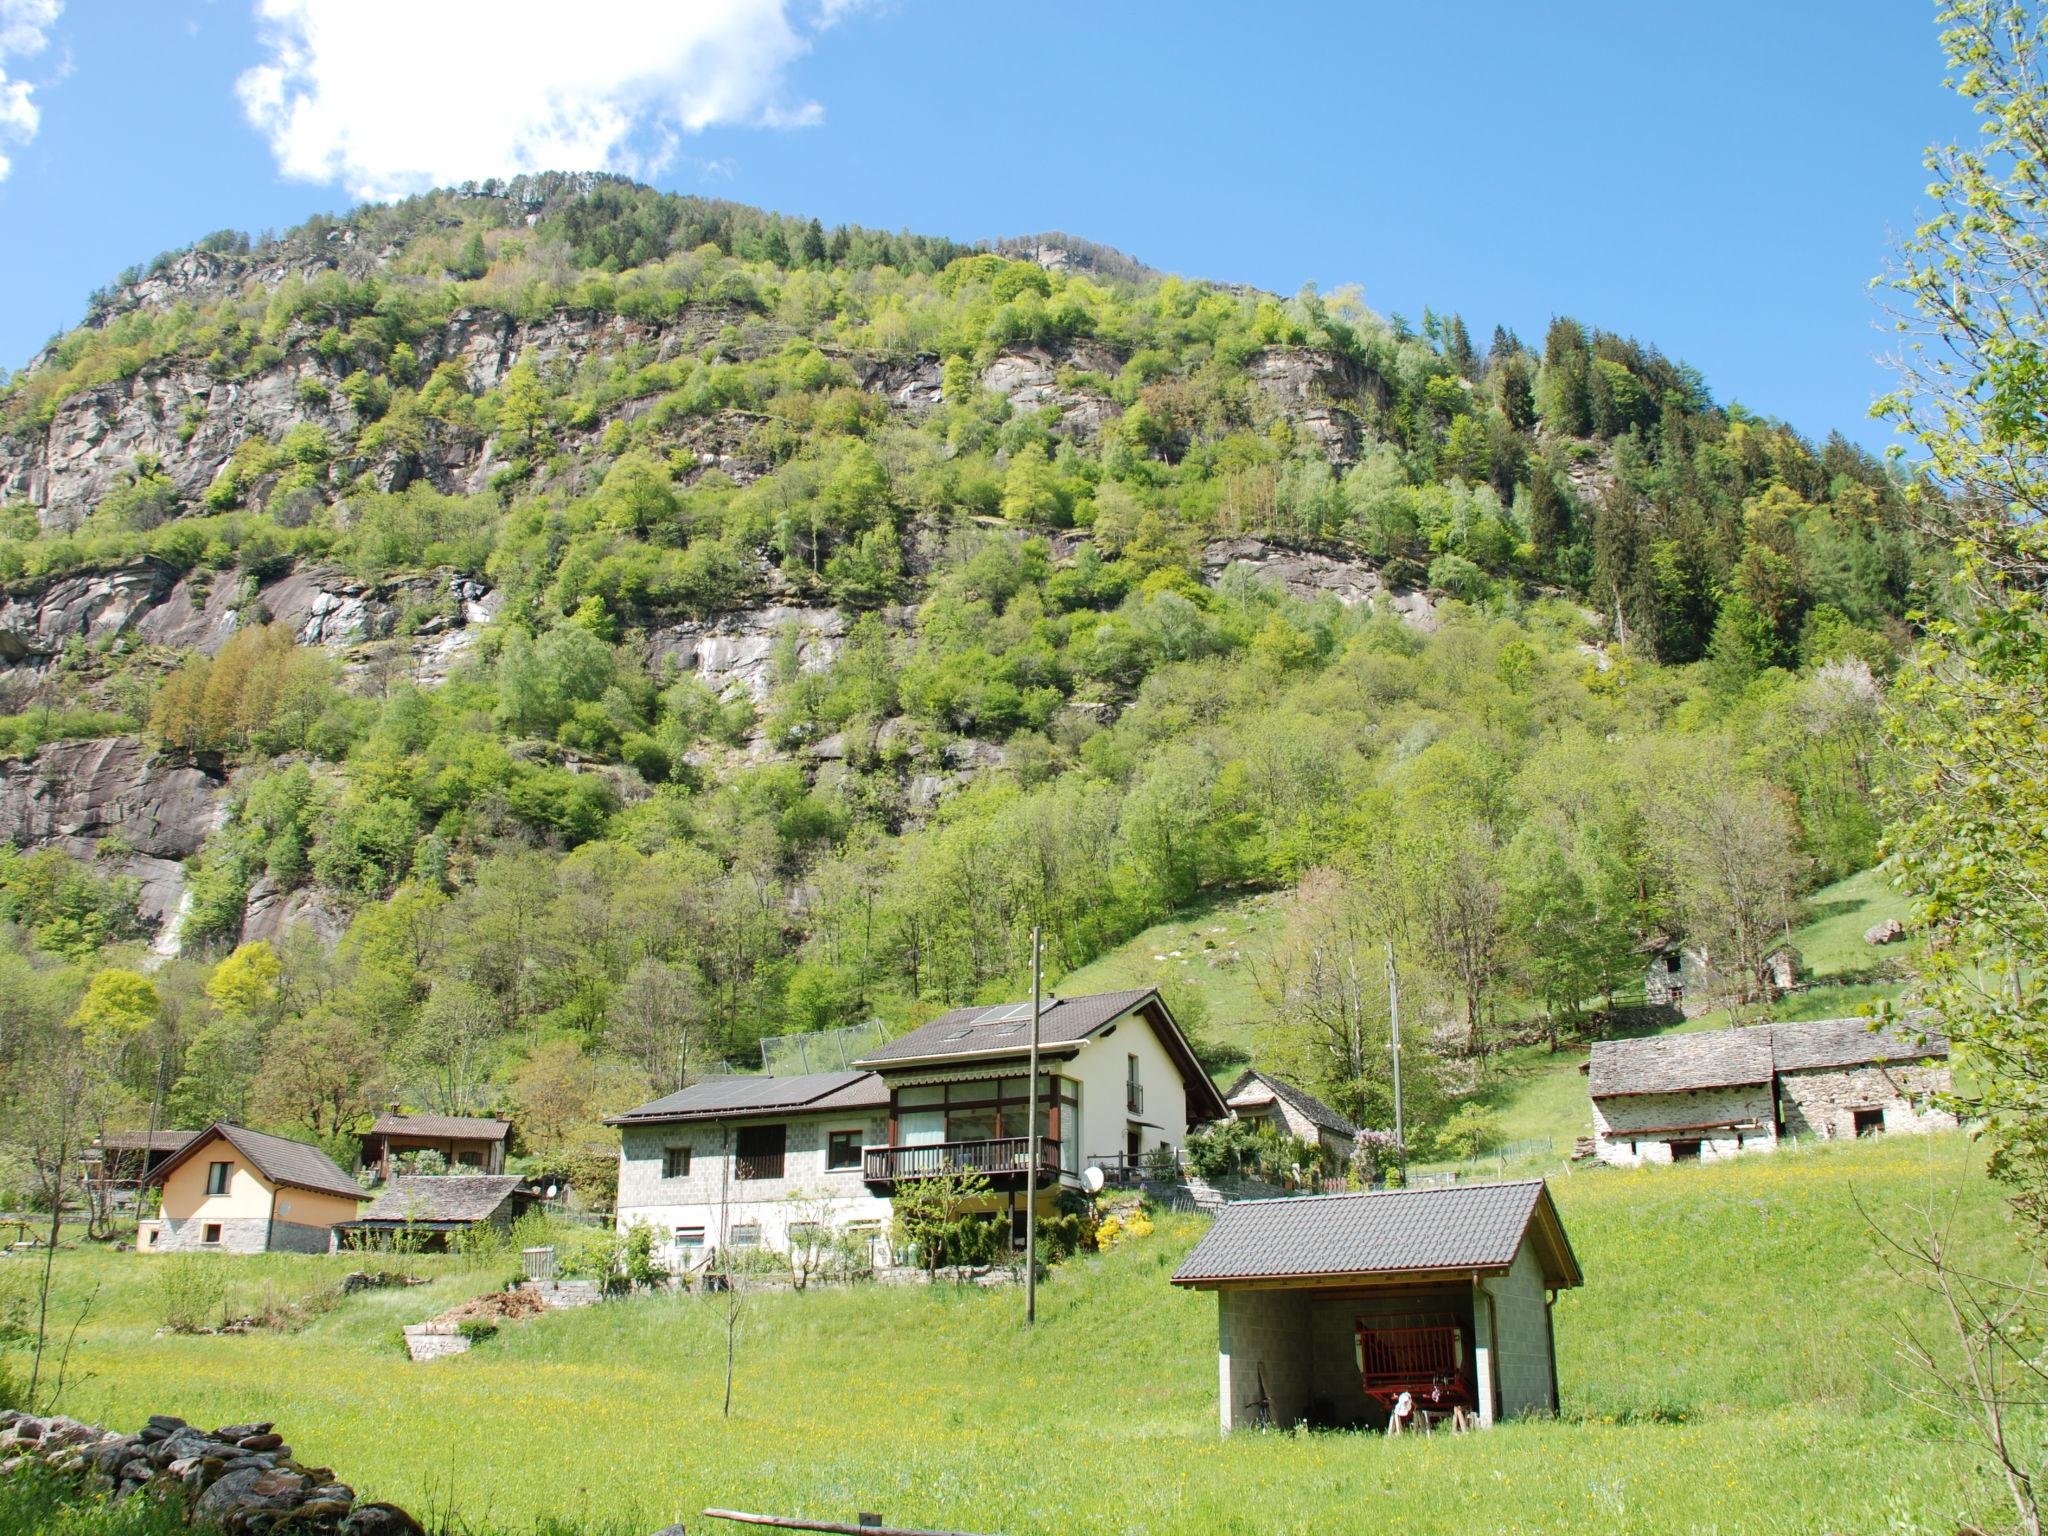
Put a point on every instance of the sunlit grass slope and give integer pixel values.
(1721, 1372)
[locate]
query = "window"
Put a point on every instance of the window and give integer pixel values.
(217, 1177)
(689, 1244)
(675, 1162)
(1671, 965)
(745, 1236)
(760, 1151)
(1868, 1122)
(1134, 1091)
(1685, 1151)
(842, 1149)
(211, 1232)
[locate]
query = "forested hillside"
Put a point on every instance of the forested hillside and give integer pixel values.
(513, 646)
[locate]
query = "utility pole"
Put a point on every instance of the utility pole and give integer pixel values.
(1394, 1013)
(1031, 1164)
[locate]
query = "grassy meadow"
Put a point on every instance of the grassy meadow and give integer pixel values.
(1721, 1373)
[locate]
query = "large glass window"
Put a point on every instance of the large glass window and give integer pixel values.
(985, 1110)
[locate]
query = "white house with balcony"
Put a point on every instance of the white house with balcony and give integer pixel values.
(738, 1162)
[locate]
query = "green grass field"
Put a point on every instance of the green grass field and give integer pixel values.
(1721, 1373)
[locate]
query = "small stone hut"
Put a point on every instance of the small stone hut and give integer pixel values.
(1329, 1306)
(1705, 1096)
(1259, 1097)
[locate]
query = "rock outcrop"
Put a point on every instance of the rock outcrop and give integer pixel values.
(1310, 576)
(116, 805)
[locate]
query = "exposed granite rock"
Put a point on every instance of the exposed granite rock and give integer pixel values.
(154, 811)
(1309, 575)
(85, 607)
(1029, 380)
(737, 649)
(1318, 391)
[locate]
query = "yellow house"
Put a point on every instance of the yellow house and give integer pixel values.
(234, 1190)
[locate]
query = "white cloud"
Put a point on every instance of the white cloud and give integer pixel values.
(24, 32)
(392, 96)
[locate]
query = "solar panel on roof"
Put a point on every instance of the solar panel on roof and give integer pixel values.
(1005, 1013)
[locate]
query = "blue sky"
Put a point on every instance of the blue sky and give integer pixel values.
(1720, 180)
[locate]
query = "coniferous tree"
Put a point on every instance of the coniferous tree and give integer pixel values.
(1548, 528)
(1566, 401)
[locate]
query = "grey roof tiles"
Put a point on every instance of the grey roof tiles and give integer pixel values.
(450, 1197)
(1459, 1227)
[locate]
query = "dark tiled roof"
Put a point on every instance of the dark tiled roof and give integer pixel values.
(1723, 1058)
(735, 1098)
(1387, 1232)
(1714, 1058)
(137, 1141)
(279, 1159)
(453, 1197)
(448, 1127)
(1303, 1102)
(1821, 1043)
(1005, 1028)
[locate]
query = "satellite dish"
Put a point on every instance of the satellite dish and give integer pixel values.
(552, 1192)
(1091, 1180)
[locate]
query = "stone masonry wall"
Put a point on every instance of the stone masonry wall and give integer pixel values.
(1262, 1334)
(1824, 1103)
(1616, 1119)
(241, 1234)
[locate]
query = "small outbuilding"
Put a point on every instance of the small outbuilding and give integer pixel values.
(1261, 1098)
(464, 1143)
(1329, 1307)
(433, 1210)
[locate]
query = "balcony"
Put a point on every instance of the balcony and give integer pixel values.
(1003, 1160)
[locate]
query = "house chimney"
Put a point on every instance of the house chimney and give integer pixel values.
(395, 1109)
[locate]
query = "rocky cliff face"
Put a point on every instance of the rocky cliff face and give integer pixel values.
(117, 806)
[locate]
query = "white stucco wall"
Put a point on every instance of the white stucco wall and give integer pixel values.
(711, 1198)
(1100, 1068)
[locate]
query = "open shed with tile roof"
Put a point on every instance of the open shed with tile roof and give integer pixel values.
(1329, 1307)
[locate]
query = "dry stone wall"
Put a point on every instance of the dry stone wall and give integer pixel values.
(240, 1479)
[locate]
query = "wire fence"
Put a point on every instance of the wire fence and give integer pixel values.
(825, 1050)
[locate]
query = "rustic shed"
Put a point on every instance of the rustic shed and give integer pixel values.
(1329, 1306)
(431, 1209)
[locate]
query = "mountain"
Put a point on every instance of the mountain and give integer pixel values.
(650, 623)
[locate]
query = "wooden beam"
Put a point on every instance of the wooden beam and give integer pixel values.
(784, 1523)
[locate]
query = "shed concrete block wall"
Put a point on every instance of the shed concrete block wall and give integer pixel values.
(1823, 1103)
(1263, 1336)
(1521, 1338)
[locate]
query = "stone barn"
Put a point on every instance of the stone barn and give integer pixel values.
(1261, 1098)
(1716, 1093)
(1329, 1306)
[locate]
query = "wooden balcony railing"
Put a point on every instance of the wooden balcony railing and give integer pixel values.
(1004, 1155)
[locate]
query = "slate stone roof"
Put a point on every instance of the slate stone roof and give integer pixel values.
(1303, 1102)
(1713, 1058)
(1822, 1043)
(1727, 1058)
(277, 1158)
(1002, 1028)
(1460, 1227)
(448, 1127)
(451, 1197)
(738, 1098)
